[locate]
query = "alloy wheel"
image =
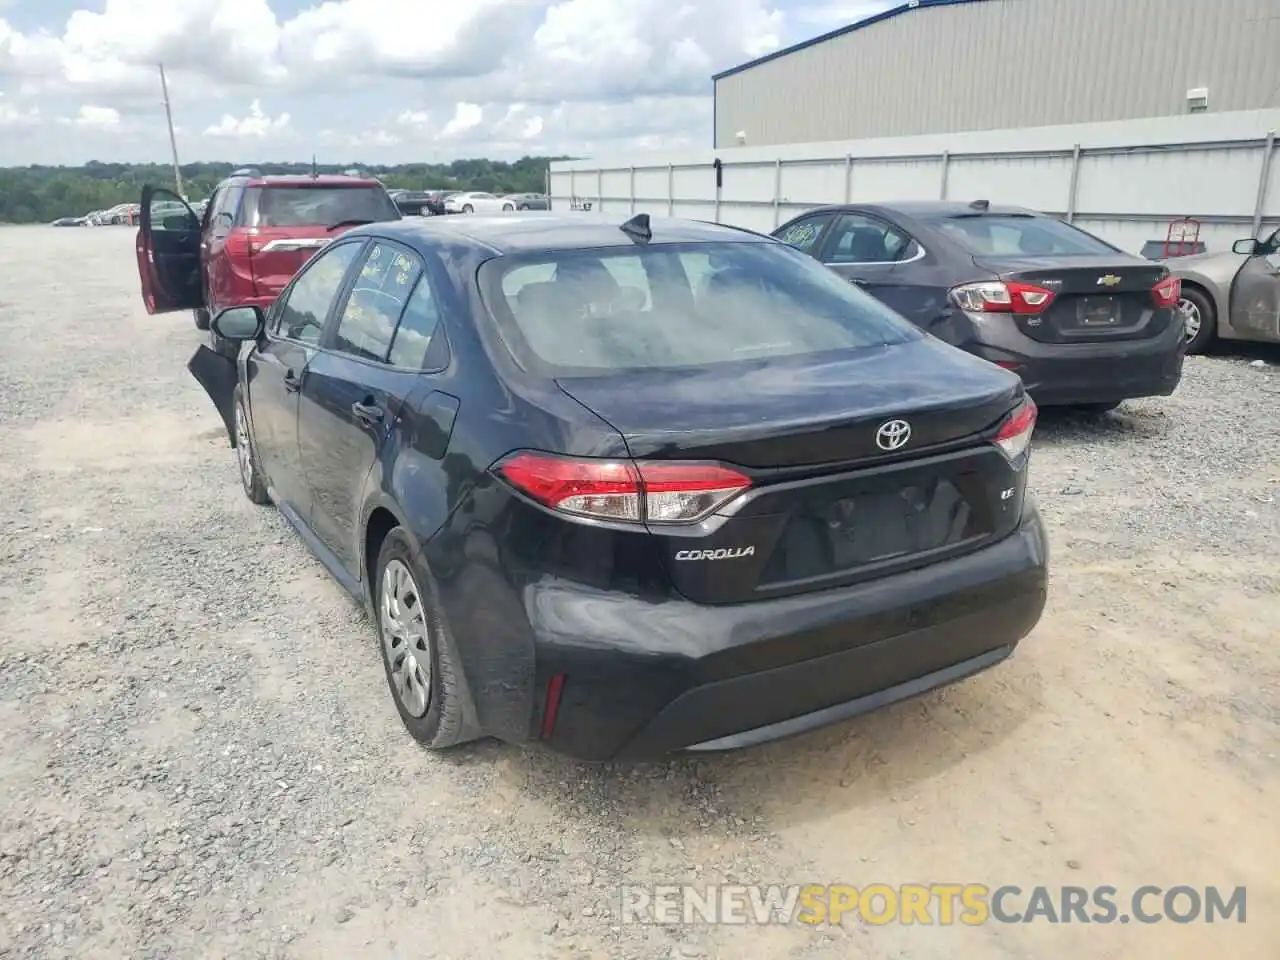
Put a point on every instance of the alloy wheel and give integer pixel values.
(1190, 318)
(406, 638)
(244, 454)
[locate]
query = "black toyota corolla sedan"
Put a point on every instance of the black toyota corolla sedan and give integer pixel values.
(1081, 322)
(628, 489)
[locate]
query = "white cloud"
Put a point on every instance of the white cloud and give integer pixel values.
(466, 117)
(98, 118)
(255, 125)
(12, 115)
(391, 75)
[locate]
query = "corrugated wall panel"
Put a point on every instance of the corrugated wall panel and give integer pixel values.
(1134, 176)
(1022, 181)
(1009, 63)
(1223, 182)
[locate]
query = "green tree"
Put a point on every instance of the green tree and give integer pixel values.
(39, 194)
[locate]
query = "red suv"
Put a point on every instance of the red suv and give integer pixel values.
(257, 231)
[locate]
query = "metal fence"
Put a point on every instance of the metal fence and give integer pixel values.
(1123, 182)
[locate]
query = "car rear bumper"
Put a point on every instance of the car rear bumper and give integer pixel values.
(643, 681)
(1060, 374)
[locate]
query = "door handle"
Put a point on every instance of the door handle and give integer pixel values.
(291, 382)
(856, 282)
(367, 413)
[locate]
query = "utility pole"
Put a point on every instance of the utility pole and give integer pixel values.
(173, 141)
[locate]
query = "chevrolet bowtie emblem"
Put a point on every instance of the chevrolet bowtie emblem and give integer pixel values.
(1110, 280)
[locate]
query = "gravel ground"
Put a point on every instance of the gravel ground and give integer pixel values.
(198, 756)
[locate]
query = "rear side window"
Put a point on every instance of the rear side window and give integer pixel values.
(379, 294)
(303, 206)
(225, 204)
(1021, 235)
(861, 239)
(677, 305)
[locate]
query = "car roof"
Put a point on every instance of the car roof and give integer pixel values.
(536, 231)
(306, 180)
(930, 209)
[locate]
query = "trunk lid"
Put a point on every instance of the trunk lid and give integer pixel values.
(1097, 298)
(828, 505)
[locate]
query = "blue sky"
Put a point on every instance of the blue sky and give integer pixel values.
(378, 80)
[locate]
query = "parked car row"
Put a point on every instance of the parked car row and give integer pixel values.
(124, 214)
(441, 202)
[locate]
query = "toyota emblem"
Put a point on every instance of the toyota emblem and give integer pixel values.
(893, 435)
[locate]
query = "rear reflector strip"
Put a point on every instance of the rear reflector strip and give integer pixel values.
(555, 687)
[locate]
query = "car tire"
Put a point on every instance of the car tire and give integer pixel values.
(508, 208)
(1194, 303)
(255, 485)
(203, 320)
(525, 206)
(411, 636)
(468, 208)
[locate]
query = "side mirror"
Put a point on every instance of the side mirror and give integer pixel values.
(1246, 247)
(239, 323)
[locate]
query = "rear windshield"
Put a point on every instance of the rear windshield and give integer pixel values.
(303, 206)
(593, 312)
(1020, 235)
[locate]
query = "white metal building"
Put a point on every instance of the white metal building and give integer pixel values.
(942, 66)
(1118, 115)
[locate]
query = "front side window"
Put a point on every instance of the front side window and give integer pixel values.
(804, 234)
(307, 303)
(1020, 235)
(862, 239)
(667, 306)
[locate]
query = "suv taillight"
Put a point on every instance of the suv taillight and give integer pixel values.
(1167, 292)
(1014, 436)
(239, 243)
(623, 490)
(995, 296)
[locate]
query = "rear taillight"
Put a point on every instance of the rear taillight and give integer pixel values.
(643, 491)
(239, 243)
(1014, 436)
(995, 296)
(1167, 292)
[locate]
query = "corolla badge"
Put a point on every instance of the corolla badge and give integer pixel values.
(893, 434)
(722, 553)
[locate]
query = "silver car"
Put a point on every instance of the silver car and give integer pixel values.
(1233, 295)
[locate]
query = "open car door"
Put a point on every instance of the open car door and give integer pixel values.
(1255, 294)
(168, 249)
